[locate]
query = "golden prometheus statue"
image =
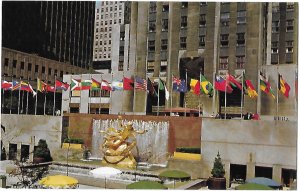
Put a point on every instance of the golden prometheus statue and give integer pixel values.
(118, 143)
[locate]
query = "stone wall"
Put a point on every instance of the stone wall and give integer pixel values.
(29, 129)
(247, 142)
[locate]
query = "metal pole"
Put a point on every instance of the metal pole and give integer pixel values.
(277, 93)
(11, 94)
(242, 95)
(185, 93)
(171, 104)
(27, 99)
(158, 95)
(100, 93)
(200, 94)
(90, 94)
(19, 97)
(225, 95)
(37, 92)
(53, 112)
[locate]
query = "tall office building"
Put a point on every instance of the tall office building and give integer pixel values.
(188, 38)
(57, 30)
(110, 17)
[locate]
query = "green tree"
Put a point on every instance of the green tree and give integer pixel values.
(43, 151)
(218, 168)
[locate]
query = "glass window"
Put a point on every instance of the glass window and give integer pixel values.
(183, 21)
(183, 42)
(164, 44)
(202, 21)
(152, 26)
(240, 62)
(224, 39)
(223, 64)
(202, 41)
(240, 39)
(289, 25)
(275, 26)
(165, 25)
(241, 17)
(151, 45)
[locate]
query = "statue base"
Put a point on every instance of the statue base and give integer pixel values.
(127, 162)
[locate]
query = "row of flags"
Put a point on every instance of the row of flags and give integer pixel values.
(202, 85)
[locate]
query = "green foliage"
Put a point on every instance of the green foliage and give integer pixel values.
(174, 174)
(2, 177)
(196, 150)
(42, 151)
(252, 186)
(218, 169)
(74, 140)
(145, 185)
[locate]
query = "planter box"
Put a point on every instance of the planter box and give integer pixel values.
(187, 156)
(72, 146)
(216, 183)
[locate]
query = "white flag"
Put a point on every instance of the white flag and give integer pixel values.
(167, 94)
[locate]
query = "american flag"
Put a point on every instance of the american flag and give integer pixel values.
(141, 84)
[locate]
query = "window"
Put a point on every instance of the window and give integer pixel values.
(49, 71)
(6, 62)
(111, 9)
(289, 25)
(202, 21)
(274, 47)
(201, 41)
(14, 63)
(22, 65)
(203, 4)
(241, 17)
(165, 8)
(165, 25)
(151, 45)
(61, 74)
(289, 46)
(122, 36)
(183, 21)
(109, 41)
(224, 39)
(97, 10)
(275, 26)
(164, 44)
(184, 5)
(275, 7)
(240, 39)
(121, 51)
(110, 22)
(240, 62)
(36, 68)
(121, 65)
(152, 7)
(225, 17)
(183, 42)
(152, 26)
(289, 6)
(43, 69)
(29, 67)
(223, 65)
(163, 68)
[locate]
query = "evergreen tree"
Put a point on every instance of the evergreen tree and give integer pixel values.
(218, 169)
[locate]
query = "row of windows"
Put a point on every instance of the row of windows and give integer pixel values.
(104, 49)
(30, 67)
(110, 8)
(289, 6)
(240, 40)
(240, 62)
(104, 42)
(165, 7)
(109, 16)
(288, 47)
(94, 93)
(225, 18)
(289, 26)
(103, 35)
(100, 56)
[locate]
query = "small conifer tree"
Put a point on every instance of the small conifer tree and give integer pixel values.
(218, 168)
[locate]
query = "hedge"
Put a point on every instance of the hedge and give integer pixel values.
(174, 174)
(196, 150)
(145, 184)
(73, 140)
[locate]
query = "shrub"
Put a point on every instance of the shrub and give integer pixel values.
(174, 174)
(74, 140)
(196, 150)
(2, 177)
(42, 151)
(144, 184)
(218, 168)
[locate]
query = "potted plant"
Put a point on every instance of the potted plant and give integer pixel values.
(2, 181)
(217, 181)
(42, 152)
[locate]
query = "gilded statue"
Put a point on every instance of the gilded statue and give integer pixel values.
(118, 144)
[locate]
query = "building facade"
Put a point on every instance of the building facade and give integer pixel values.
(61, 31)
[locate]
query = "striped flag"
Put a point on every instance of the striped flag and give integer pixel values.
(140, 84)
(283, 86)
(265, 86)
(16, 85)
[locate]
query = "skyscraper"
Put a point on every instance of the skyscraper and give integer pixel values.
(57, 30)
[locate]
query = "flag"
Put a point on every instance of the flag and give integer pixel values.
(283, 86)
(41, 86)
(206, 86)
(179, 85)
(265, 86)
(127, 83)
(6, 85)
(105, 85)
(25, 86)
(167, 94)
(221, 84)
(50, 88)
(250, 90)
(140, 84)
(85, 85)
(296, 85)
(61, 85)
(95, 85)
(160, 84)
(75, 85)
(233, 81)
(31, 90)
(16, 85)
(195, 86)
(117, 85)
(151, 88)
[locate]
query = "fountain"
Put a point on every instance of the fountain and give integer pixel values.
(152, 147)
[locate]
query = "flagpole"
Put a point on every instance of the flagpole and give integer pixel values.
(122, 110)
(199, 93)
(45, 99)
(100, 93)
(225, 95)
(171, 104)
(134, 90)
(242, 95)
(70, 94)
(185, 93)
(90, 94)
(80, 86)
(110, 94)
(2, 91)
(158, 95)
(19, 97)
(11, 94)
(27, 98)
(277, 93)
(214, 94)
(37, 92)
(54, 95)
